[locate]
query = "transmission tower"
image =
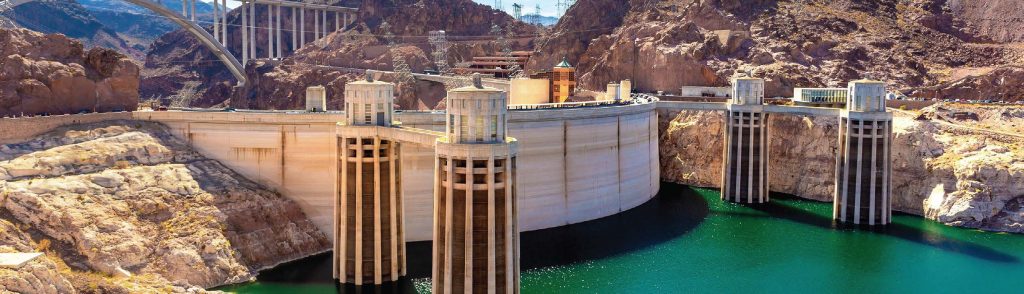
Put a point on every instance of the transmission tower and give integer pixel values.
(517, 11)
(563, 6)
(504, 40)
(439, 41)
(535, 18)
(498, 6)
(402, 70)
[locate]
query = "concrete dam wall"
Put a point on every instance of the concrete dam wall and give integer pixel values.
(575, 164)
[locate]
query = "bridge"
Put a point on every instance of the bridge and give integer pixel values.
(216, 39)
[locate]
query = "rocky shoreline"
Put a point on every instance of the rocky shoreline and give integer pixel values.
(950, 171)
(123, 206)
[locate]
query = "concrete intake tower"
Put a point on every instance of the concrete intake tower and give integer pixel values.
(745, 175)
(369, 237)
(862, 194)
(476, 238)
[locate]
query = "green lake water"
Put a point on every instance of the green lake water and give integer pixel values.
(686, 240)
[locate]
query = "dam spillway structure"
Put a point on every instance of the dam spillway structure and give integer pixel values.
(476, 237)
(863, 183)
(745, 165)
(369, 237)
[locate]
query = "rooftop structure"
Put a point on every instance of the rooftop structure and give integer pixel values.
(562, 78)
(498, 66)
(316, 99)
(820, 97)
(369, 102)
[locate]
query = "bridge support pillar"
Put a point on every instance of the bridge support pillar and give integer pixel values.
(476, 239)
(245, 33)
(224, 23)
(216, 22)
(369, 237)
(745, 161)
(302, 27)
(252, 29)
(270, 31)
(863, 190)
(277, 33)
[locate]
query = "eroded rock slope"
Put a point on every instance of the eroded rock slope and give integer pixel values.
(127, 198)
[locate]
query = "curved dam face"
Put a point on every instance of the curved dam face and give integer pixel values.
(575, 164)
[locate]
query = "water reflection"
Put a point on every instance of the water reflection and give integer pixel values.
(775, 209)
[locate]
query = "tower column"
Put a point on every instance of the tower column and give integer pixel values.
(295, 31)
(369, 236)
(863, 190)
(476, 240)
(745, 164)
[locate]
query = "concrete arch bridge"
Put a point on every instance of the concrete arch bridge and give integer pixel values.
(216, 39)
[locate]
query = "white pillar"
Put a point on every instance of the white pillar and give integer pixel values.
(216, 25)
(295, 31)
(224, 22)
(252, 28)
(184, 8)
(280, 52)
(337, 22)
(302, 27)
(323, 20)
(316, 25)
(193, 4)
(245, 34)
(270, 31)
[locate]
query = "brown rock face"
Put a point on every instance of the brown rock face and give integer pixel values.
(178, 64)
(126, 196)
(997, 84)
(960, 173)
(997, 20)
(51, 74)
(663, 45)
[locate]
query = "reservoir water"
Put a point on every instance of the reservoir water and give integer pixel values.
(686, 240)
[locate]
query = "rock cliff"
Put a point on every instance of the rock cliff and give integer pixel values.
(946, 170)
(662, 45)
(76, 21)
(127, 200)
(51, 74)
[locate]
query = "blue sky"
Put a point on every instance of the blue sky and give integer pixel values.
(547, 7)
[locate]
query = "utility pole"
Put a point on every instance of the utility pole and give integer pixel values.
(535, 18)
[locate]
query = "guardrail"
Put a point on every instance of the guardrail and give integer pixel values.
(635, 98)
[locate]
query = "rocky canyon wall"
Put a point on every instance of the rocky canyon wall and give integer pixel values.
(955, 174)
(122, 206)
(51, 74)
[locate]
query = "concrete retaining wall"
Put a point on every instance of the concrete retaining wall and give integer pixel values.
(574, 164)
(13, 130)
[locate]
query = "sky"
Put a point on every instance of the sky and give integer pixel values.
(547, 7)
